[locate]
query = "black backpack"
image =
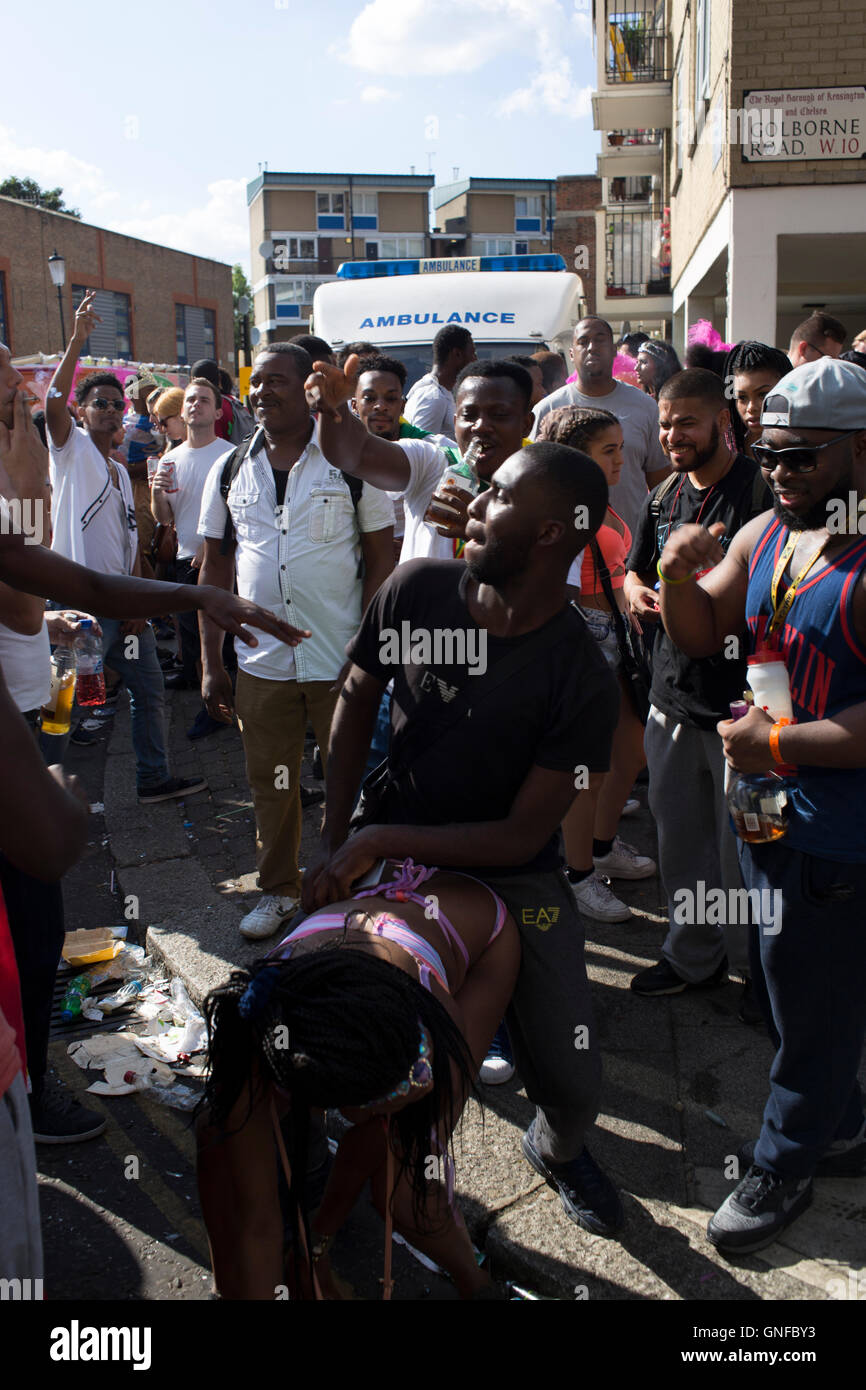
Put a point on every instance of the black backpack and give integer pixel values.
(232, 467)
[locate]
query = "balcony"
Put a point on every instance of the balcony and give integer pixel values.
(634, 78)
(634, 190)
(627, 153)
(636, 264)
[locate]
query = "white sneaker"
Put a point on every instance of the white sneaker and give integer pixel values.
(623, 861)
(268, 916)
(595, 899)
(631, 807)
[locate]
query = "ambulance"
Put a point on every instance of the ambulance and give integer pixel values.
(510, 304)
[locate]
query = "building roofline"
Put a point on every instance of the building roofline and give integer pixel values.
(446, 191)
(419, 183)
(79, 222)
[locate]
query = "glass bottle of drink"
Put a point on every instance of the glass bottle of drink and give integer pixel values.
(91, 677)
(57, 713)
(757, 802)
(461, 472)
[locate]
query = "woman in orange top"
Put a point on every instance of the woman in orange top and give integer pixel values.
(592, 846)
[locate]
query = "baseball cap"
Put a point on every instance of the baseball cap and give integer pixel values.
(825, 395)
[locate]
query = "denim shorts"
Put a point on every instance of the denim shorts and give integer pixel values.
(602, 626)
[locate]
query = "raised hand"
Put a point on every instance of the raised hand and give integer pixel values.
(327, 387)
(692, 548)
(85, 318)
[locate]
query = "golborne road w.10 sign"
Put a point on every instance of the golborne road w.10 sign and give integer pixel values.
(808, 123)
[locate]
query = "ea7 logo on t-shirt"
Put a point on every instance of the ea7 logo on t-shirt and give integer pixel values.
(430, 682)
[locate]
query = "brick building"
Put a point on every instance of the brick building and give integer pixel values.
(578, 197)
(156, 304)
(747, 123)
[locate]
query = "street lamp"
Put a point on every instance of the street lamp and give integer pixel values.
(57, 267)
(244, 311)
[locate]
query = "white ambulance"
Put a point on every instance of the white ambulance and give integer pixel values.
(510, 304)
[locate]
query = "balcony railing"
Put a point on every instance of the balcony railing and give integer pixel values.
(634, 256)
(637, 42)
(636, 188)
(617, 138)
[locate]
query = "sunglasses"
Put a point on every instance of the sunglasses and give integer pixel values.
(795, 460)
(102, 404)
(161, 424)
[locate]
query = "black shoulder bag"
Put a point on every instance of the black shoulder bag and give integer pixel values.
(635, 666)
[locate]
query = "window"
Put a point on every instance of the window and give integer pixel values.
(702, 52)
(293, 248)
(4, 318)
(527, 207)
(113, 336)
(681, 115)
(401, 248)
(290, 296)
(365, 204)
(195, 333)
(492, 246)
(330, 203)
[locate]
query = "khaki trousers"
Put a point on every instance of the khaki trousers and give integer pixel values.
(273, 718)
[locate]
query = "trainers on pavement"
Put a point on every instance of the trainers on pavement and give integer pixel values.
(663, 979)
(595, 899)
(845, 1158)
(760, 1207)
(498, 1065)
(268, 916)
(57, 1117)
(588, 1197)
(623, 861)
(174, 787)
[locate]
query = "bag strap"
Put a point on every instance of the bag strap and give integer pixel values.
(661, 492)
(603, 573)
(537, 644)
(284, 1158)
(231, 469)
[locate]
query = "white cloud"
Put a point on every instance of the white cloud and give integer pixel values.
(433, 38)
(376, 94)
(50, 168)
(219, 228)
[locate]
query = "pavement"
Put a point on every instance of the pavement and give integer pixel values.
(684, 1080)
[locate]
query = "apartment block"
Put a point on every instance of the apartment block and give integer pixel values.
(156, 304)
(302, 226)
(494, 217)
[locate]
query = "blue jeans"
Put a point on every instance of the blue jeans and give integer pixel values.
(809, 977)
(143, 678)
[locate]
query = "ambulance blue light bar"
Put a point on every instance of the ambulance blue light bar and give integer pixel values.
(444, 265)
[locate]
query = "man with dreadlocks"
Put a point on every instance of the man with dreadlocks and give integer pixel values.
(385, 1017)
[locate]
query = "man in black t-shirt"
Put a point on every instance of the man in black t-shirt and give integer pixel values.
(723, 491)
(484, 789)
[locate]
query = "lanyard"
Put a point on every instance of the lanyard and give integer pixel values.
(781, 608)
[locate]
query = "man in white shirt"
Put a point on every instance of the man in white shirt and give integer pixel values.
(191, 463)
(645, 465)
(298, 539)
(94, 524)
(430, 404)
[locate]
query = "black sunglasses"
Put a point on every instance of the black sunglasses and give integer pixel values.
(102, 404)
(796, 460)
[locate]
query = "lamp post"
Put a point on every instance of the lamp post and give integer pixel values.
(244, 311)
(57, 267)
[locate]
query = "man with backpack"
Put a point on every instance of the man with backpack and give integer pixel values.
(309, 543)
(723, 490)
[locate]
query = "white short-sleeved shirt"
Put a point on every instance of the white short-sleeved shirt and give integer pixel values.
(430, 406)
(299, 561)
(642, 452)
(93, 521)
(191, 467)
(427, 463)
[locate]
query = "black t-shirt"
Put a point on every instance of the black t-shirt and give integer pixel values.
(559, 711)
(281, 482)
(697, 692)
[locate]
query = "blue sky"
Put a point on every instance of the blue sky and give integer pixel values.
(154, 117)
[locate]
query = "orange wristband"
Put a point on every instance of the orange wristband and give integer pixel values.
(774, 740)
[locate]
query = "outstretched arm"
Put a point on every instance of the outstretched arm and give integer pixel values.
(57, 417)
(344, 440)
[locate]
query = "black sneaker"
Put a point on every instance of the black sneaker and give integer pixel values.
(203, 726)
(57, 1117)
(663, 979)
(760, 1208)
(174, 787)
(845, 1158)
(588, 1197)
(311, 796)
(81, 738)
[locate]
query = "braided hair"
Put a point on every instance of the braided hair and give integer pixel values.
(575, 425)
(335, 1028)
(750, 356)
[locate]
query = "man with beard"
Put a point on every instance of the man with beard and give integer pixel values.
(688, 697)
(797, 577)
(485, 788)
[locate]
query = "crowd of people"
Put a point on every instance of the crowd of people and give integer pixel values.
(498, 600)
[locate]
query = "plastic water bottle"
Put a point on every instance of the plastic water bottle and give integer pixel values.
(91, 677)
(76, 992)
